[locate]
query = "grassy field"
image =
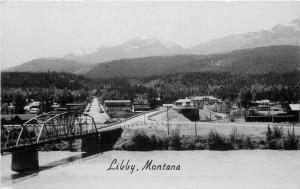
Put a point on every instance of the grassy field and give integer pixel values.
(185, 136)
(254, 130)
(178, 123)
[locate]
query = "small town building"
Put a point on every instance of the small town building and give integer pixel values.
(295, 111)
(140, 104)
(117, 105)
(200, 101)
(33, 108)
(118, 108)
(196, 102)
(140, 107)
(168, 105)
(264, 101)
(266, 110)
(183, 103)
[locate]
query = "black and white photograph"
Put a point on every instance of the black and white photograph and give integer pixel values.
(150, 94)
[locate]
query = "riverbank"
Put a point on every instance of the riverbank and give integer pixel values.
(185, 137)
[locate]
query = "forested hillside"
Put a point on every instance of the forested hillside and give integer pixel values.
(65, 87)
(248, 61)
(59, 80)
(52, 65)
(281, 87)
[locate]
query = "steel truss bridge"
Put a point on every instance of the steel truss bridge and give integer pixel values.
(23, 141)
(46, 128)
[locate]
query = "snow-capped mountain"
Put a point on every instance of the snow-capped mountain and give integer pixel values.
(145, 41)
(134, 48)
(82, 51)
(281, 34)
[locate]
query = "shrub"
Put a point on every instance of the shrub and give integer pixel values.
(160, 144)
(249, 144)
(217, 142)
(275, 144)
(174, 140)
(188, 143)
(277, 132)
(128, 145)
(290, 141)
(233, 135)
(164, 142)
(236, 140)
(201, 144)
(274, 138)
(143, 142)
(269, 134)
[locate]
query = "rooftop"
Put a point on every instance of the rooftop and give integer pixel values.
(183, 100)
(202, 97)
(295, 107)
(263, 101)
(117, 101)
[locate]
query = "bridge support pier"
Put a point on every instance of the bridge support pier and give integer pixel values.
(100, 142)
(25, 161)
(90, 143)
(109, 138)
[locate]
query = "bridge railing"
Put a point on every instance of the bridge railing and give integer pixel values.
(112, 125)
(45, 128)
(9, 135)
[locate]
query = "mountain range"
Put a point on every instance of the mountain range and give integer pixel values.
(137, 47)
(160, 56)
(52, 64)
(246, 61)
(288, 34)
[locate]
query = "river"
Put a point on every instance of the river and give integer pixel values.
(198, 169)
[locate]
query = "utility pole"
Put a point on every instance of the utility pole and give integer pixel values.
(11, 107)
(293, 128)
(168, 120)
(144, 117)
(195, 124)
(221, 107)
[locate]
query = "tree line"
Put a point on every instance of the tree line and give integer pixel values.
(17, 87)
(278, 87)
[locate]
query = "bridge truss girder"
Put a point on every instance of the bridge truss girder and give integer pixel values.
(46, 128)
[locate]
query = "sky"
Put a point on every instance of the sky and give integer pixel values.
(31, 30)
